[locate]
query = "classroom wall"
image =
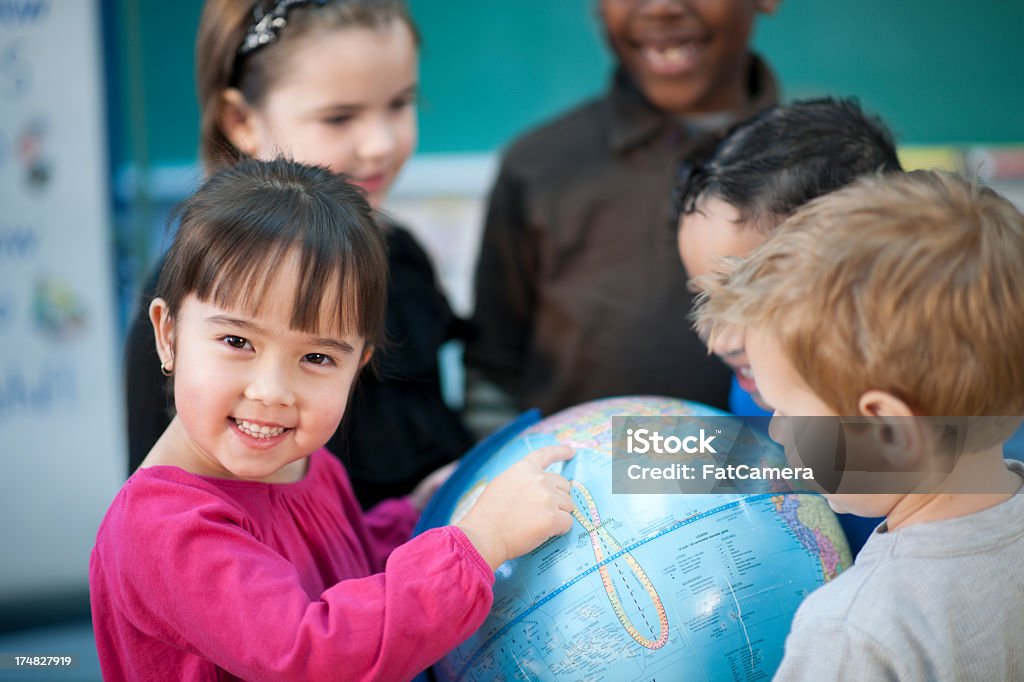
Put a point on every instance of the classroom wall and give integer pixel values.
(61, 432)
(939, 71)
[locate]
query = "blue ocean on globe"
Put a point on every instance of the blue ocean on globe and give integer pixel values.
(648, 587)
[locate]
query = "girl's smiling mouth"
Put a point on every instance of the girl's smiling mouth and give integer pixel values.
(258, 431)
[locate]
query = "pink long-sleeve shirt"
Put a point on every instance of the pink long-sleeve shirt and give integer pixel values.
(199, 578)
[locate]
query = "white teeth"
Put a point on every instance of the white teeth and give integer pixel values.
(745, 372)
(259, 431)
(674, 56)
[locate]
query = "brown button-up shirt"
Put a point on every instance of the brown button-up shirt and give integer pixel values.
(580, 293)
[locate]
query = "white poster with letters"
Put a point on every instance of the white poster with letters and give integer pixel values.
(62, 445)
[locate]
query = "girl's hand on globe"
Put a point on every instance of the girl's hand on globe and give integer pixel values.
(521, 508)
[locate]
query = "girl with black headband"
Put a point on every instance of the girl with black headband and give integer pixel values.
(330, 83)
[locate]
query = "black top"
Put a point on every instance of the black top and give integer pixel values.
(396, 428)
(580, 293)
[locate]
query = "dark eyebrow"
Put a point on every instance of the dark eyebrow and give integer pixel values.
(338, 109)
(411, 90)
(320, 341)
(340, 346)
(235, 322)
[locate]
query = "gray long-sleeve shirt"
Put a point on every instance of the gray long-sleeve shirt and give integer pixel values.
(935, 601)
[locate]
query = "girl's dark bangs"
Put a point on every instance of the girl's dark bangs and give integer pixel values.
(239, 273)
(240, 230)
(326, 277)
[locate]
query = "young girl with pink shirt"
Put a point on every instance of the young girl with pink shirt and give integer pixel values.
(238, 549)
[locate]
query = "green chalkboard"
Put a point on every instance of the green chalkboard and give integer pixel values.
(939, 71)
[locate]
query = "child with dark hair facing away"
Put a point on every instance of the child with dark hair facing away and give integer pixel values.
(898, 298)
(758, 175)
(331, 83)
(238, 549)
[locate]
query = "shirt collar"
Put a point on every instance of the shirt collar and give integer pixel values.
(635, 121)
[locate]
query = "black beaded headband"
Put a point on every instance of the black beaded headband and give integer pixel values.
(267, 25)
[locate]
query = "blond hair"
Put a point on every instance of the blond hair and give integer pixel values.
(912, 284)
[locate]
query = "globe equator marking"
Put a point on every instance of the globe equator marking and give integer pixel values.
(597, 566)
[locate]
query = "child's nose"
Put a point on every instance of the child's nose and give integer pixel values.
(271, 385)
(378, 139)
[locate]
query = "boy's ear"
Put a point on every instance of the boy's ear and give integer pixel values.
(767, 6)
(875, 403)
(900, 438)
(163, 330)
(238, 121)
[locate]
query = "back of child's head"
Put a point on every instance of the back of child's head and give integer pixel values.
(242, 224)
(911, 284)
(770, 165)
(221, 61)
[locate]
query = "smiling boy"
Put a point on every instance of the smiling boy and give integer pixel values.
(578, 286)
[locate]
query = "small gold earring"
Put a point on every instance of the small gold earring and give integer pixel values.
(166, 368)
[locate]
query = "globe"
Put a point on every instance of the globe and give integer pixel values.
(644, 587)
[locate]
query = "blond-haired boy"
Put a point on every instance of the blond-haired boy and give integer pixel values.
(894, 298)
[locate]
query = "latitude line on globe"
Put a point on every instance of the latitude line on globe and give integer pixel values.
(597, 566)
